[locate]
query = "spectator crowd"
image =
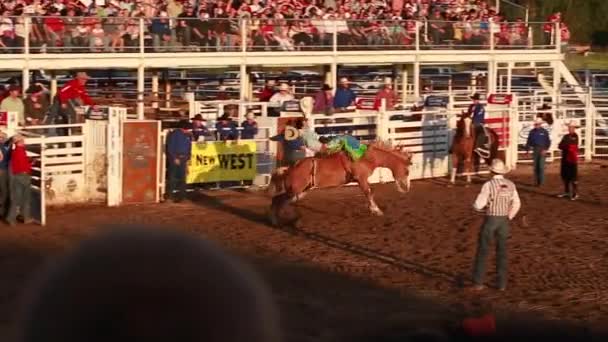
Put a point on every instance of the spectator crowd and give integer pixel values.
(214, 25)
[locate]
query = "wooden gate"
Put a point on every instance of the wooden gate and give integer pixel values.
(140, 161)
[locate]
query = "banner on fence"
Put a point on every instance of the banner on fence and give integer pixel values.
(218, 161)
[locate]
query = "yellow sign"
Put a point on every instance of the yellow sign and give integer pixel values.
(217, 161)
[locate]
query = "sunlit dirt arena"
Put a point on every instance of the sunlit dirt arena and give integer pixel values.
(347, 273)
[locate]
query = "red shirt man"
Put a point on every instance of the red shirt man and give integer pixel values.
(19, 161)
(75, 90)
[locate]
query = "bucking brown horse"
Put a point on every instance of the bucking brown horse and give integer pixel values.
(463, 147)
(338, 169)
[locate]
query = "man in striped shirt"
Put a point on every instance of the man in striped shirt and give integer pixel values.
(500, 200)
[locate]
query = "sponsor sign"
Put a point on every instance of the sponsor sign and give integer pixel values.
(219, 161)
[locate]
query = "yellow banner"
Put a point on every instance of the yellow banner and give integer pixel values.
(217, 161)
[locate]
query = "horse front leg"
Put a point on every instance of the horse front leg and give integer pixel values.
(373, 207)
(468, 167)
(454, 169)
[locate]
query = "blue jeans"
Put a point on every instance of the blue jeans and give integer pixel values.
(539, 166)
(176, 186)
(493, 226)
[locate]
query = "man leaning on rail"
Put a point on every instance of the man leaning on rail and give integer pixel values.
(73, 94)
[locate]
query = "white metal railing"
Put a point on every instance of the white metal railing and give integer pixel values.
(156, 35)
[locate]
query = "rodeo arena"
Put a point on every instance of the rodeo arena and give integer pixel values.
(296, 170)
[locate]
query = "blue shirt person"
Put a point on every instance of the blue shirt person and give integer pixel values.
(478, 115)
(250, 127)
(539, 141)
(226, 129)
(179, 151)
(344, 96)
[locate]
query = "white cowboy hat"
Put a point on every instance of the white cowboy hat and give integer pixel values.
(498, 167)
(573, 123)
(291, 133)
(539, 121)
(344, 80)
(284, 87)
(388, 81)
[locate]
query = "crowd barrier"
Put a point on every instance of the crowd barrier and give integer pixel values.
(141, 35)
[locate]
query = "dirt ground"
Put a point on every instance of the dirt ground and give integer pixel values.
(347, 273)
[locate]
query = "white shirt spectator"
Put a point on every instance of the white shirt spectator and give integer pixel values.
(281, 97)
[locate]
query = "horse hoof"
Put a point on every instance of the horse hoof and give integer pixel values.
(377, 213)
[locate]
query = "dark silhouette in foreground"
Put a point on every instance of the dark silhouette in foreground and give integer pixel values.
(148, 285)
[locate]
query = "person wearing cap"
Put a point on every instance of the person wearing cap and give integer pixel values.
(36, 104)
(20, 182)
(13, 103)
(71, 95)
(250, 126)
(344, 97)
(500, 201)
(4, 173)
(226, 128)
(268, 91)
(477, 111)
(388, 94)
(179, 151)
(569, 164)
(324, 101)
(539, 141)
(199, 129)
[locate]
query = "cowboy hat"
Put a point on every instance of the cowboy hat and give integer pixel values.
(539, 121)
(198, 117)
(291, 133)
(225, 116)
(573, 123)
(498, 167)
(284, 87)
(475, 96)
(388, 81)
(344, 80)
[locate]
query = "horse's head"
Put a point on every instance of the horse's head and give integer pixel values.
(465, 126)
(398, 159)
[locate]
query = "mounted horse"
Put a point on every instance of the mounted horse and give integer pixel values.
(338, 169)
(463, 147)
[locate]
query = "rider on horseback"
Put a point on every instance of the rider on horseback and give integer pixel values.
(478, 112)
